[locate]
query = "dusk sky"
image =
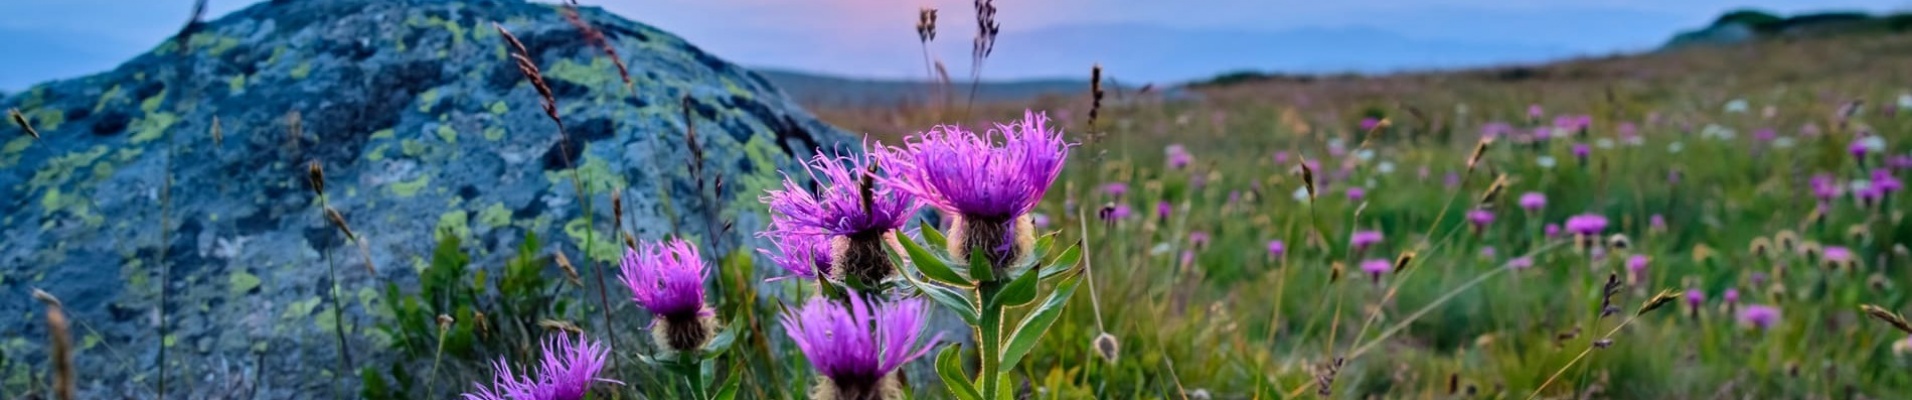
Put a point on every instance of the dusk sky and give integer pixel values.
(54, 39)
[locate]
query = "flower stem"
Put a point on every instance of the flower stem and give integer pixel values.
(989, 340)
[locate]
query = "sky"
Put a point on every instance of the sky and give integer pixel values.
(876, 38)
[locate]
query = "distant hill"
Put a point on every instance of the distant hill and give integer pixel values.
(1747, 25)
(817, 90)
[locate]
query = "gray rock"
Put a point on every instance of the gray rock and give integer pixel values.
(422, 124)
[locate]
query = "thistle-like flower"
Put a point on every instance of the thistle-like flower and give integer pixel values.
(568, 371)
(668, 279)
(804, 256)
(1361, 240)
(988, 188)
(858, 349)
(1759, 316)
(1480, 218)
(1533, 201)
(851, 210)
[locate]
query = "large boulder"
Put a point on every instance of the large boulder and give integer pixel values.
(423, 125)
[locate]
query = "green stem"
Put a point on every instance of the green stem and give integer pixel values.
(431, 384)
(989, 340)
(693, 373)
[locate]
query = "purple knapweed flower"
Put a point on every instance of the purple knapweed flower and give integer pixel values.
(1452, 179)
(1759, 316)
(1825, 188)
(858, 349)
(1369, 123)
(1521, 263)
(668, 280)
(963, 173)
(1276, 248)
(988, 188)
(1694, 298)
(1480, 218)
(567, 372)
(1533, 201)
(804, 256)
(1534, 111)
(1198, 239)
(1375, 267)
(838, 207)
(1636, 265)
(1163, 209)
(1858, 148)
(1581, 151)
(1355, 193)
(1362, 239)
(1178, 157)
(1656, 223)
(1883, 181)
(1765, 134)
(1116, 212)
(1731, 296)
(1281, 158)
(1899, 161)
(1838, 254)
(1629, 132)
(1552, 230)
(1115, 189)
(1040, 220)
(1587, 224)
(1496, 129)
(1488, 252)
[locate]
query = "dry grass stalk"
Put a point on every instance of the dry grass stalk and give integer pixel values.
(1607, 291)
(1401, 263)
(531, 72)
(218, 134)
(986, 31)
(1095, 95)
(1480, 150)
(596, 38)
(338, 221)
(1894, 319)
(1659, 300)
(315, 175)
(61, 351)
(1307, 177)
(1493, 190)
(21, 121)
(561, 326)
(570, 272)
(1324, 376)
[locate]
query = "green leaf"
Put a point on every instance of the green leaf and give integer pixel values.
(950, 368)
(935, 237)
(1004, 389)
(980, 268)
(931, 265)
(950, 298)
(1019, 292)
(1038, 322)
(732, 383)
(1064, 262)
(722, 342)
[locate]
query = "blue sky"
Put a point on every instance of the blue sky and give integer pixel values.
(53, 39)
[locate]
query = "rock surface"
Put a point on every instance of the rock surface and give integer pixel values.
(422, 124)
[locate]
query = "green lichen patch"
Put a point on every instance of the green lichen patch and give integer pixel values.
(447, 134)
(407, 189)
(241, 282)
(495, 216)
(456, 223)
(152, 127)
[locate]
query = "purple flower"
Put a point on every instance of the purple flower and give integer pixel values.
(1637, 265)
(1198, 239)
(1656, 222)
(1838, 254)
(1117, 212)
(1533, 201)
(1369, 123)
(1587, 224)
(1276, 248)
(1162, 209)
(568, 370)
(838, 208)
(1534, 111)
(1731, 296)
(1452, 179)
(1883, 181)
(1178, 156)
(804, 256)
(1281, 157)
(1376, 266)
(1543, 133)
(1355, 193)
(1581, 150)
(1695, 297)
(1759, 316)
(666, 278)
(1825, 188)
(1115, 189)
(1552, 230)
(1765, 134)
(1362, 239)
(858, 347)
(963, 173)
(1488, 252)
(1040, 220)
(1858, 148)
(1480, 218)
(1900, 161)
(1521, 263)
(1496, 129)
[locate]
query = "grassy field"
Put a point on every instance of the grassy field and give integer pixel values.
(1706, 160)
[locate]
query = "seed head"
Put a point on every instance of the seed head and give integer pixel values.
(1892, 318)
(1663, 298)
(21, 121)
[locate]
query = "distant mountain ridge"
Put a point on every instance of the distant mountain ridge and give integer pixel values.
(1747, 25)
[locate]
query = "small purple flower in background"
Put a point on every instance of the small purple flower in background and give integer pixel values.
(1163, 209)
(1115, 189)
(1731, 296)
(1480, 218)
(1656, 223)
(804, 256)
(567, 372)
(1369, 123)
(1116, 212)
(1276, 248)
(858, 349)
(1552, 230)
(1629, 133)
(1694, 298)
(1188, 258)
(1281, 158)
(1453, 179)
(1519, 263)
(1375, 267)
(989, 188)
(1355, 193)
(1673, 177)
(1759, 316)
(1809, 130)
(1362, 239)
(1765, 134)
(1900, 161)
(1533, 201)
(1587, 224)
(1825, 188)
(1543, 133)
(1581, 151)
(1867, 196)
(1496, 129)
(1636, 265)
(668, 280)
(1488, 252)
(1178, 157)
(1198, 239)
(1756, 278)
(1838, 255)
(1883, 181)
(1534, 112)
(1858, 148)
(1040, 220)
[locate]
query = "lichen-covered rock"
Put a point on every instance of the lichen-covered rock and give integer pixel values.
(422, 124)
